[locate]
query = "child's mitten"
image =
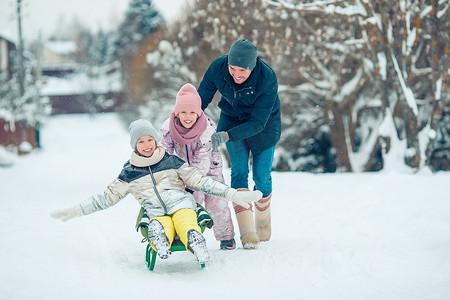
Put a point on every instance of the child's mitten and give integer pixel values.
(67, 213)
(243, 198)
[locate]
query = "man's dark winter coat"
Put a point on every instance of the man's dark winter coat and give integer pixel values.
(250, 110)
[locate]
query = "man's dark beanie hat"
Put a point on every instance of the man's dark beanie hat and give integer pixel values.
(243, 53)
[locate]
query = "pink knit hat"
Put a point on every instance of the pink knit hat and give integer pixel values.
(188, 100)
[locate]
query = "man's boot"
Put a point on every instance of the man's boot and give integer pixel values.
(244, 216)
(262, 218)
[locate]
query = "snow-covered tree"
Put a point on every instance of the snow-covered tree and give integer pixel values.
(141, 19)
(29, 108)
(164, 74)
(394, 93)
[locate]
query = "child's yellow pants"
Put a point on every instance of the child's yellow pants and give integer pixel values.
(179, 223)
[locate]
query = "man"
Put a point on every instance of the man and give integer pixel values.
(250, 121)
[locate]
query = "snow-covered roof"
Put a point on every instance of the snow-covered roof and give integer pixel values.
(4, 34)
(61, 47)
(81, 83)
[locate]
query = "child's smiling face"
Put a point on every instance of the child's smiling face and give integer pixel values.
(187, 118)
(146, 145)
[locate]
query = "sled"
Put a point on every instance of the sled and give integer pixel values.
(203, 219)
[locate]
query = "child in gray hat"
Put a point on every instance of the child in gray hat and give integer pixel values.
(157, 180)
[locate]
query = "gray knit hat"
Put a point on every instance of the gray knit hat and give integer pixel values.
(243, 53)
(140, 128)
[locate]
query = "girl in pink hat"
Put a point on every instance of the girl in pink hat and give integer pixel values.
(187, 134)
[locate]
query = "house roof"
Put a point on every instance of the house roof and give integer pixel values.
(7, 37)
(61, 47)
(79, 83)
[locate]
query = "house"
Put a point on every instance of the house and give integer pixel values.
(58, 52)
(16, 134)
(78, 88)
(7, 48)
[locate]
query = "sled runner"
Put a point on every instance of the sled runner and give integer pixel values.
(203, 218)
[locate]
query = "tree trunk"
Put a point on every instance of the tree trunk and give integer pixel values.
(412, 135)
(439, 64)
(333, 116)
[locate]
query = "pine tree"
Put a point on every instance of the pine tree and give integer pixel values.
(141, 19)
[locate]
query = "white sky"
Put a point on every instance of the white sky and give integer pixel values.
(44, 15)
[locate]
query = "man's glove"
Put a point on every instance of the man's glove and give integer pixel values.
(243, 198)
(67, 213)
(218, 138)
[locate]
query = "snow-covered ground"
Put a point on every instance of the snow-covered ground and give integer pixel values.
(335, 236)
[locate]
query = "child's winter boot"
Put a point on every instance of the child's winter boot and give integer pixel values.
(157, 235)
(197, 245)
(244, 216)
(262, 218)
(228, 244)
